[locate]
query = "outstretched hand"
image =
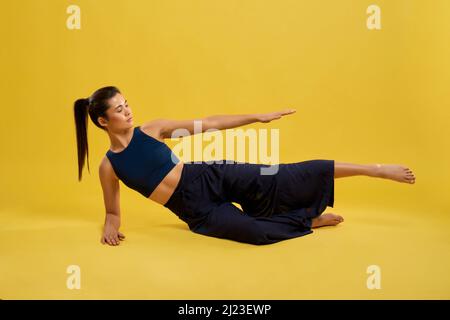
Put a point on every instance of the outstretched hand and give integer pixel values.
(267, 117)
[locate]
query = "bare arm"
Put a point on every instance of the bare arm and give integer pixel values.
(111, 197)
(215, 122)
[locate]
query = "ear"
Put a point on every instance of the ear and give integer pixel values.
(102, 121)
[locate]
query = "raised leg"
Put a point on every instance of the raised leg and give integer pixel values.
(395, 172)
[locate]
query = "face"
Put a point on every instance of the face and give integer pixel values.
(119, 113)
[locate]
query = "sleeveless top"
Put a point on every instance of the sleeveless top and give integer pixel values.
(144, 163)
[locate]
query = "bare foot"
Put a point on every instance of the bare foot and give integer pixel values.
(395, 172)
(327, 219)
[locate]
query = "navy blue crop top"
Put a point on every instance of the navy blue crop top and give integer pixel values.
(143, 163)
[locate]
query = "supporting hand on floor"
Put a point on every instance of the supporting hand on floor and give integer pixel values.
(111, 234)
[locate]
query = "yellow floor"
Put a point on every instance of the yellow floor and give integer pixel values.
(162, 259)
(362, 95)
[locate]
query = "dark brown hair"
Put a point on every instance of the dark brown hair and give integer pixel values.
(96, 107)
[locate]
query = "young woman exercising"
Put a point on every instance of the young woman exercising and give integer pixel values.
(275, 207)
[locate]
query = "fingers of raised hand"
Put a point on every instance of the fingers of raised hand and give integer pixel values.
(288, 111)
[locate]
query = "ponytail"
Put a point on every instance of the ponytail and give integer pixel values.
(81, 116)
(95, 106)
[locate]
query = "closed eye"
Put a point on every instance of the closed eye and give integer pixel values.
(121, 107)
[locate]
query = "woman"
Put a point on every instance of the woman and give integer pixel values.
(275, 207)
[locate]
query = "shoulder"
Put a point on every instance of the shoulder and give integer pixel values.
(106, 170)
(154, 128)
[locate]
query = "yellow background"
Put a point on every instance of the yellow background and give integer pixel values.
(362, 96)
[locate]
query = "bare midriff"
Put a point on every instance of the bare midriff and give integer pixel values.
(167, 186)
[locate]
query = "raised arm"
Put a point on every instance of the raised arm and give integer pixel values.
(111, 198)
(218, 122)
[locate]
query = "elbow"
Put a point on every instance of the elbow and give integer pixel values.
(211, 124)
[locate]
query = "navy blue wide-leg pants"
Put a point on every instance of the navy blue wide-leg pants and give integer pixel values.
(275, 207)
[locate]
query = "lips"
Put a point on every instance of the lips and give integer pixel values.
(130, 119)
